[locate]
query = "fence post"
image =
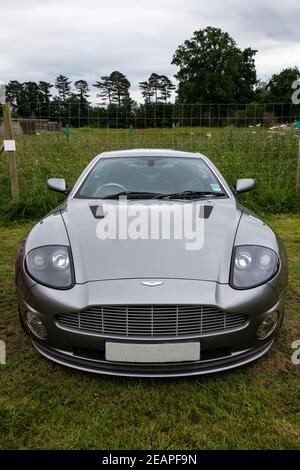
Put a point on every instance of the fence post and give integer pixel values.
(8, 135)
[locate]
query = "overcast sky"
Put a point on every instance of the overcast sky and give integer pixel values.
(85, 39)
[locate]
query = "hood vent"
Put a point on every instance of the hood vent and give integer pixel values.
(205, 211)
(97, 212)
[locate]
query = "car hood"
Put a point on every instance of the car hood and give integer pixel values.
(101, 259)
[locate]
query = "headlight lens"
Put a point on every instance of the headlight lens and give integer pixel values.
(252, 266)
(60, 259)
(51, 266)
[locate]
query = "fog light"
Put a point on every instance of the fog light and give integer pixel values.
(268, 325)
(36, 325)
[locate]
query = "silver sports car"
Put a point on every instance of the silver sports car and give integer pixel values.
(150, 267)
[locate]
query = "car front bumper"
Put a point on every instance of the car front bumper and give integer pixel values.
(86, 351)
(97, 365)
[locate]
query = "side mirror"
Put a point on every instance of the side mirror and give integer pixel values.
(57, 184)
(244, 185)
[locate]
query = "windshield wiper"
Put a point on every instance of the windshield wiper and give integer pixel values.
(133, 195)
(149, 195)
(190, 195)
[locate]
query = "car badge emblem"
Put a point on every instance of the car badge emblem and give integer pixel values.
(152, 283)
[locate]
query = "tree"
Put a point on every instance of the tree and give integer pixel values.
(14, 94)
(114, 89)
(30, 98)
(44, 91)
(262, 93)
(212, 69)
(166, 88)
(44, 98)
(120, 88)
(154, 83)
(82, 88)
(63, 86)
(105, 86)
(147, 91)
(279, 93)
(158, 87)
(280, 85)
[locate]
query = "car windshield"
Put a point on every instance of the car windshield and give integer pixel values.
(147, 177)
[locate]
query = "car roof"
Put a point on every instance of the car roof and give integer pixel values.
(149, 153)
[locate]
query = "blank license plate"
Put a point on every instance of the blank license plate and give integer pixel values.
(147, 353)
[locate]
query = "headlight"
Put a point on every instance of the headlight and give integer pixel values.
(252, 266)
(51, 266)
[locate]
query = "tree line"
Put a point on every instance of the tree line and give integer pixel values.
(112, 89)
(212, 70)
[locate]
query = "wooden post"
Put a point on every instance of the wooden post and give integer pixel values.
(8, 135)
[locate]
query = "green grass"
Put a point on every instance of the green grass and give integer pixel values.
(268, 156)
(43, 405)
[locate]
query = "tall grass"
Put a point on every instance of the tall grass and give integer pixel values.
(269, 156)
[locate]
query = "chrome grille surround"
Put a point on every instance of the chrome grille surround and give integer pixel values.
(151, 321)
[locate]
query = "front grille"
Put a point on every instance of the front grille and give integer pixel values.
(152, 320)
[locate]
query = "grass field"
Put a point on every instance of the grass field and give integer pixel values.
(268, 155)
(43, 405)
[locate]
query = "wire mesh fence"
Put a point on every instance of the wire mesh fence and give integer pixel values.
(159, 115)
(58, 140)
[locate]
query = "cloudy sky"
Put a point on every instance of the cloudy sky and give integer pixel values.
(89, 38)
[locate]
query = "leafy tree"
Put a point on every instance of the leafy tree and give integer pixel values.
(31, 91)
(212, 69)
(279, 93)
(280, 85)
(14, 94)
(262, 93)
(63, 86)
(44, 98)
(44, 91)
(30, 98)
